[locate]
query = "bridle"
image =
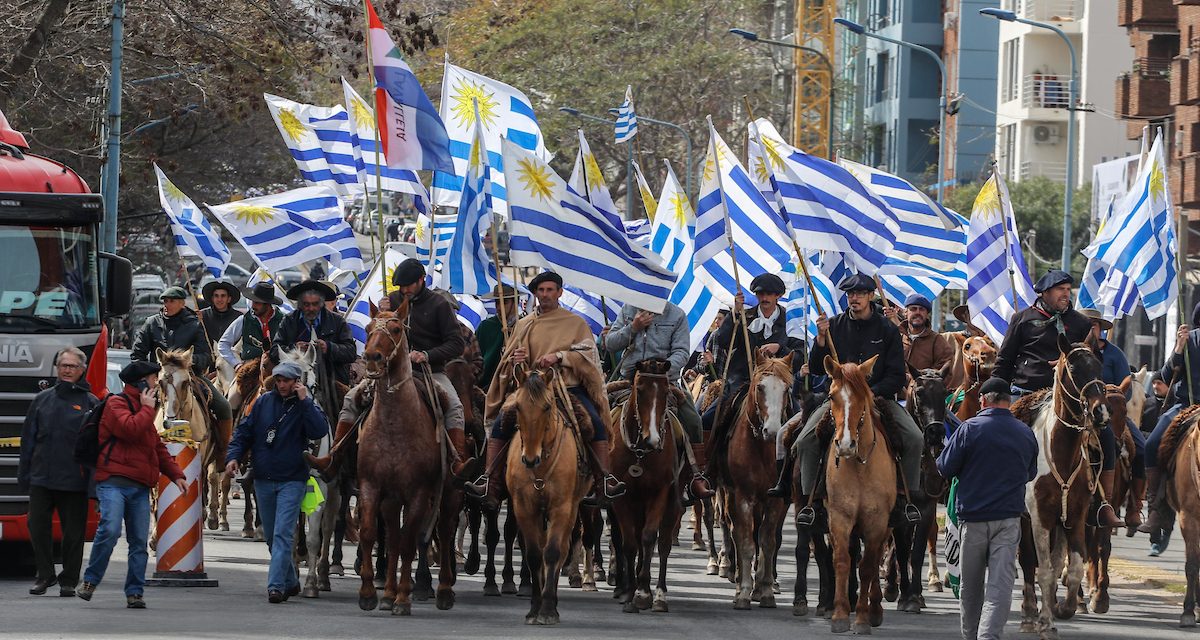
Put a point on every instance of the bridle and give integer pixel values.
(862, 419)
(1064, 374)
(1080, 413)
(382, 324)
(636, 446)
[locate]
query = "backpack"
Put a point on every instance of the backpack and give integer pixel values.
(87, 443)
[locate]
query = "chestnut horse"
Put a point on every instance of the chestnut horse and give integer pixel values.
(644, 458)
(1065, 420)
(861, 494)
(1183, 491)
(1099, 539)
(978, 355)
(753, 519)
(402, 466)
(547, 476)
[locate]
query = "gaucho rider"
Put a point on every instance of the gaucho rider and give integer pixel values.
(644, 335)
(255, 328)
(858, 334)
(332, 335)
(550, 337)
(1031, 345)
(221, 295)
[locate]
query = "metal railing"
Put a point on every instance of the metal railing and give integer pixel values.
(1046, 91)
(1056, 171)
(1052, 10)
(1152, 67)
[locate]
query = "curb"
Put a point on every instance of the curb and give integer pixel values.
(1148, 575)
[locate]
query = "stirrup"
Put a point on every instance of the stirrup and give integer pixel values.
(618, 487)
(911, 513)
(478, 487)
(806, 516)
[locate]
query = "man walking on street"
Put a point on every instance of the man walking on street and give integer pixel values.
(994, 457)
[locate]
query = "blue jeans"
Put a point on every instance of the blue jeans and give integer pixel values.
(117, 504)
(279, 504)
(1160, 430)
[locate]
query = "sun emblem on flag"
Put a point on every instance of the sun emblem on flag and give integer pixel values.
(1158, 181)
(292, 127)
(420, 233)
(760, 170)
(363, 118)
(172, 192)
(464, 96)
(388, 286)
(253, 214)
(710, 166)
(988, 200)
(648, 201)
(536, 178)
(592, 169)
(679, 205)
(770, 149)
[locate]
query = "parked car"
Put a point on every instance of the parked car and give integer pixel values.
(117, 359)
(288, 278)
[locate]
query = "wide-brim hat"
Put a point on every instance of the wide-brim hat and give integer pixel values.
(234, 293)
(337, 291)
(263, 292)
(311, 285)
(1095, 316)
(500, 291)
(962, 313)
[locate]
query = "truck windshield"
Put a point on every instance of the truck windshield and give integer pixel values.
(47, 279)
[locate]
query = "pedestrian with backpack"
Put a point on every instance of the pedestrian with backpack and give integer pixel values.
(130, 458)
(48, 472)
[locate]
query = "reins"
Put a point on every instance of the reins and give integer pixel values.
(1088, 436)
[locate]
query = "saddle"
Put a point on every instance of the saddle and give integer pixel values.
(891, 439)
(1173, 437)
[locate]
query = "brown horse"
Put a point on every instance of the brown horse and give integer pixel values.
(547, 476)
(752, 518)
(1184, 495)
(1099, 539)
(861, 494)
(402, 465)
(978, 355)
(1065, 420)
(644, 458)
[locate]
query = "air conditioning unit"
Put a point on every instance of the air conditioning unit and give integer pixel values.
(1045, 134)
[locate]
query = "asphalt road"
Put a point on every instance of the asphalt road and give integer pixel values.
(700, 607)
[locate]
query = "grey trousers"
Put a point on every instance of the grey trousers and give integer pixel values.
(454, 409)
(988, 549)
(912, 442)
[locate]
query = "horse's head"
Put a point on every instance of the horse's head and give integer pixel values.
(979, 358)
(650, 391)
(536, 415)
(1118, 404)
(387, 340)
(851, 403)
(770, 391)
(1138, 394)
(1077, 375)
(174, 378)
(927, 404)
(306, 359)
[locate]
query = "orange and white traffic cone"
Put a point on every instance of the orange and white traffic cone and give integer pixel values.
(180, 548)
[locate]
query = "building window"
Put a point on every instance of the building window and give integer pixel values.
(883, 77)
(1010, 70)
(1008, 150)
(881, 14)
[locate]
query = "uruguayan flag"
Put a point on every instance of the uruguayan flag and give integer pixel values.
(286, 229)
(990, 255)
(598, 311)
(648, 201)
(801, 306)
(194, 236)
(587, 181)
(260, 275)
(552, 227)
(638, 231)
(368, 157)
(435, 234)
(471, 310)
(503, 110)
(731, 206)
(626, 118)
(319, 140)
(371, 292)
(1106, 290)
(1139, 240)
(672, 237)
(468, 268)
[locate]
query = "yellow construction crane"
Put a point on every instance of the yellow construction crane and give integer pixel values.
(813, 114)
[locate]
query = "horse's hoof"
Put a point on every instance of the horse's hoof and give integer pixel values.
(724, 572)
(902, 602)
(248, 534)
(379, 583)
(525, 590)
(600, 574)
(471, 566)
(530, 619)
(712, 568)
(1065, 611)
(775, 588)
(323, 585)
(546, 619)
(1099, 604)
(660, 606)
(1187, 620)
(368, 603)
(912, 606)
(590, 587)
(767, 601)
(422, 594)
(1082, 607)
(310, 592)
(575, 581)
(490, 589)
(642, 601)
(935, 586)
(891, 593)
(741, 604)
(1049, 634)
(610, 579)
(756, 595)
(839, 626)
(800, 608)
(224, 526)
(698, 546)
(629, 607)
(861, 629)
(336, 569)
(212, 524)
(825, 613)
(445, 599)
(508, 588)
(1028, 626)
(402, 609)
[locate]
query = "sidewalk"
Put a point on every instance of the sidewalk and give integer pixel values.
(1130, 559)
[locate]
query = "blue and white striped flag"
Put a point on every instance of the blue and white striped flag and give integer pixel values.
(1106, 290)
(672, 236)
(801, 310)
(319, 141)
(591, 307)
(468, 268)
(1139, 240)
(648, 201)
(552, 227)
(504, 111)
(471, 310)
(285, 229)
(194, 236)
(990, 255)
(588, 181)
(825, 205)
(443, 227)
(368, 157)
(731, 205)
(626, 118)
(260, 275)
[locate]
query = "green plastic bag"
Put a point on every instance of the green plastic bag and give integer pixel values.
(313, 498)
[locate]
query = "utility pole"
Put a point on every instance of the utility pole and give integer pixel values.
(110, 176)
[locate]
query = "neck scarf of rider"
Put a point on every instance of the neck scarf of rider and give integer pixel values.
(1050, 316)
(763, 325)
(265, 322)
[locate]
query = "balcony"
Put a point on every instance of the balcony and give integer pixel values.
(1145, 91)
(1050, 10)
(1056, 171)
(1147, 14)
(1045, 91)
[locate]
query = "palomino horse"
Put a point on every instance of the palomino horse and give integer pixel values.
(183, 400)
(861, 494)
(403, 465)
(1180, 450)
(978, 359)
(1065, 419)
(753, 519)
(1099, 539)
(644, 457)
(547, 476)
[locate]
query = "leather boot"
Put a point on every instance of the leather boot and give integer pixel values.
(488, 486)
(328, 465)
(458, 439)
(699, 488)
(1133, 517)
(605, 485)
(783, 486)
(1105, 515)
(1156, 497)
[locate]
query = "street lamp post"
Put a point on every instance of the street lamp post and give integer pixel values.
(686, 138)
(1069, 192)
(854, 27)
(753, 37)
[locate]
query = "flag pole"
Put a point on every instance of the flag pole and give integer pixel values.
(378, 145)
(495, 236)
(1008, 257)
(737, 278)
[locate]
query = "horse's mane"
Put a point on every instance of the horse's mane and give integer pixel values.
(777, 367)
(535, 386)
(177, 358)
(852, 377)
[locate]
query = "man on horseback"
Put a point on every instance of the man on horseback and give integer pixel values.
(253, 329)
(1030, 346)
(664, 336)
(859, 334)
(924, 348)
(551, 337)
(491, 331)
(221, 295)
(176, 327)
(333, 339)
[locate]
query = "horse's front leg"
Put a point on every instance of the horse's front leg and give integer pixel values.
(1072, 549)
(742, 530)
(768, 543)
(368, 504)
(840, 531)
(404, 540)
(1049, 569)
(447, 523)
(490, 540)
(667, 525)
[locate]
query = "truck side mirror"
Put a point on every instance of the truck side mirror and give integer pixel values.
(116, 295)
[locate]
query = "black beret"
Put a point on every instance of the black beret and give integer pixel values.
(768, 283)
(1053, 278)
(408, 272)
(545, 276)
(857, 282)
(995, 385)
(137, 370)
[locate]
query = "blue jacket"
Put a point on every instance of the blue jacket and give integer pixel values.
(994, 456)
(295, 421)
(1114, 366)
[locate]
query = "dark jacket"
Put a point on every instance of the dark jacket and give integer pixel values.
(994, 456)
(491, 342)
(296, 422)
(48, 438)
(129, 444)
(1174, 372)
(1151, 412)
(432, 328)
(216, 322)
(1114, 366)
(857, 341)
(738, 369)
(180, 331)
(1031, 343)
(929, 350)
(331, 328)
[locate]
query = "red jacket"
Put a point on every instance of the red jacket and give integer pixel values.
(136, 452)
